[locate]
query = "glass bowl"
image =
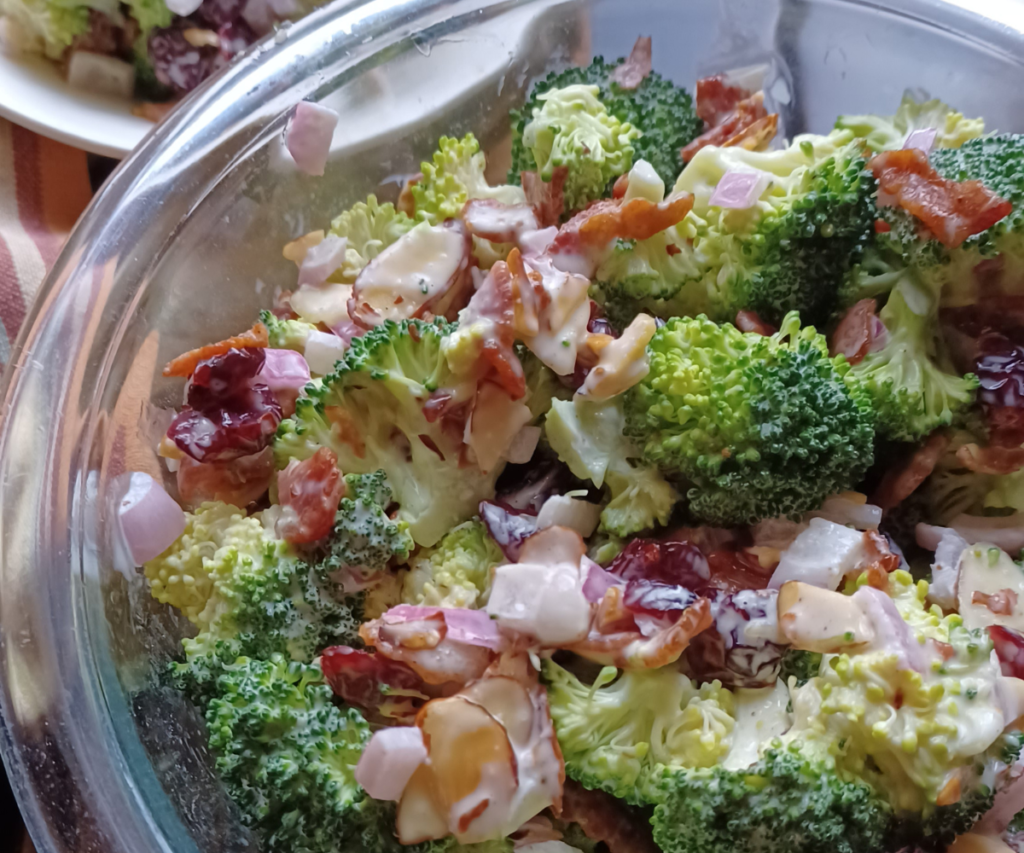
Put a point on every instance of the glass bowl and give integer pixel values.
(183, 245)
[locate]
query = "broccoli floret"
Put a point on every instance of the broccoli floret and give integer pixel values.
(370, 412)
(236, 582)
(996, 161)
(454, 175)
(910, 382)
(759, 426)
(791, 800)
(621, 732)
(364, 536)
(456, 572)
(660, 110)
(885, 133)
(370, 228)
(47, 26)
(588, 437)
(572, 128)
(286, 754)
(801, 665)
(286, 334)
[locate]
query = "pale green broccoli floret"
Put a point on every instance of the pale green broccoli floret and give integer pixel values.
(286, 334)
(369, 228)
(627, 728)
(286, 754)
(589, 438)
(910, 381)
(453, 176)
(572, 128)
(369, 411)
(46, 26)
(731, 412)
(1006, 491)
(885, 133)
(364, 536)
(456, 572)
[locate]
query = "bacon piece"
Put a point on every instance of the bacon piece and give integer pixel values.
(716, 99)
(406, 200)
(309, 492)
(952, 211)
(733, 570)
(635, 69)
(360, 678)
(756, 136)
(853, 335)
(604, 818)
(636, 219)
(494, 301)
(898, 484)
(991, 460)
(749, 321)
(239, 481)
(1001, 603)
(185, 364)
(547, 198)
(747, 112)
(620, 186)
(500, 223)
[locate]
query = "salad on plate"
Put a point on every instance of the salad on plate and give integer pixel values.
(666, 497)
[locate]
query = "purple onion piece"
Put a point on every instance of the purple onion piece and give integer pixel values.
(508, 528)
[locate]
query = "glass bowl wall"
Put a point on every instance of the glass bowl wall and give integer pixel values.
(183, 246)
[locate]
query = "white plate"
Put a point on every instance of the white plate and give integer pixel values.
(35, 95)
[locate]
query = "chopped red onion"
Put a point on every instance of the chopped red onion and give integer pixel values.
(389, 760)
(1006, 532)
(284, 369)
(150, 519)
(923, 139)
(410, 613)
(472, 627)
(323, 349)
(322, 260)
(533, 243)
(739, 190)
(347, 330)
(879, 334)
(520, 451)
(596, 580)
(308, 136)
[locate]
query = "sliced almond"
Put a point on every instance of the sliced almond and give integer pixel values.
(819, 620)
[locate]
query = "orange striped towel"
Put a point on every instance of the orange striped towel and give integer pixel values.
(44, 187)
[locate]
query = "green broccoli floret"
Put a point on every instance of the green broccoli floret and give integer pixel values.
(791, 799)
(370, 412)
(363, 535)
(996, 161)
(286, 334)
(453, 176)
(620, 733)
(885, 133)
(238, 583)
(572, 128)
(588, 437)
(370, 228)
(759, 426)
(286, 754)
(800, 665)
(47, 26)
(660, 110)
(456, 572)
(910, 381)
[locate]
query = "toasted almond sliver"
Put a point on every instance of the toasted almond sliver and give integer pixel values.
(201, 38)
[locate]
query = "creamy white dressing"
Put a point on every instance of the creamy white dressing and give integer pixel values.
(986, 570)
(760, 715)
(819, 620)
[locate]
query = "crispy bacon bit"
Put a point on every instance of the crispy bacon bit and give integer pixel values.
(309, 492)
(604, 818)
(756, 136)
(406, 201)
(716, 99)
(991, 460)
(494, 301)
(950, 792)
(344, 426)
(360, 678)
(636, 219)
(749, 321)
(1009, 648)
(952, 211)
(620, 186)
(898, 484)
(853, 335)
(184, 365)
(239, 482)
(547, 198)
(747, 112)
(635, 69)
(882, 227)
(1001, 603)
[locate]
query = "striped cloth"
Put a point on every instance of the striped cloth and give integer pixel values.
(44, 187)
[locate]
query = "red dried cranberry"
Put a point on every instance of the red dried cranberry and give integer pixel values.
(598, 324)
(675, 563)
(361, 678)
(508, 527)
(235, 37)
(177, 63)
(227, 413)
(1000, 371)
(739, 649)
(217, 13)
(657, 599)
(1009, 647)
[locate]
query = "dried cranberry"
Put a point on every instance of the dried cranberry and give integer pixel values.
(217, 13)
(227, 413)
(177, 63)
(1009, 647)
(656, 598)
(675, 563)
(362, 679)
(739, 649)
(598, 324)
(235, 37)
(1000, 371)
(508, 528)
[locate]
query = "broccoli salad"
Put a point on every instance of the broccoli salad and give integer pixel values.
(667, 497)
